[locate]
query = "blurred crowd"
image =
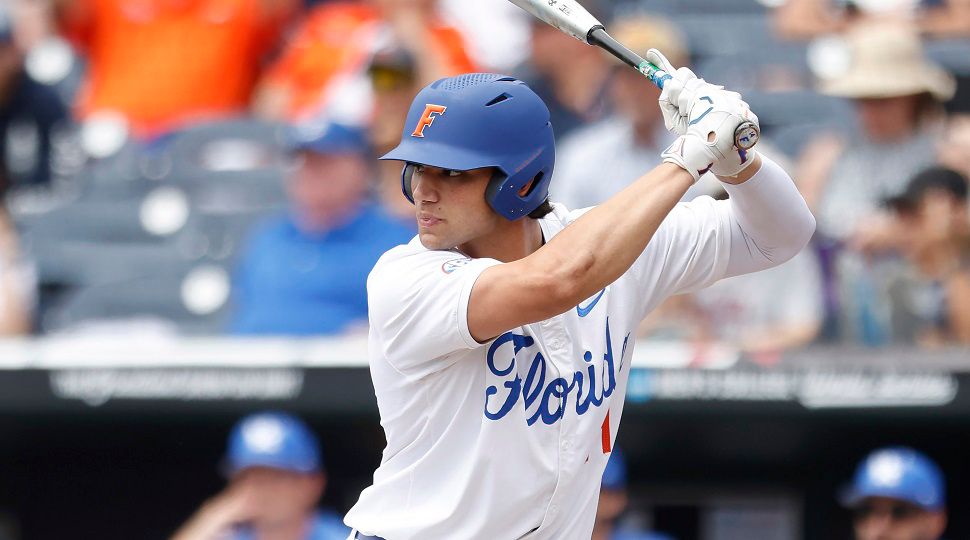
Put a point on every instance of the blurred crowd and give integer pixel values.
(208, 166)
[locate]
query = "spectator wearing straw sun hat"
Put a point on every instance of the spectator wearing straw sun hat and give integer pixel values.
(898, 96)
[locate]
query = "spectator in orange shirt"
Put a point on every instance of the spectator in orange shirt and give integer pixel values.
(327, 58)
(165, 63)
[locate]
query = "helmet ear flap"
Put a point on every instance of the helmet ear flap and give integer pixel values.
(503, 195)
(407, 174)
(494, 187)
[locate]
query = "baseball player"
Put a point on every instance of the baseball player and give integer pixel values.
(897, 493)
(500, 336)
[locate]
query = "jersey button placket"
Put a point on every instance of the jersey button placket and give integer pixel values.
(558, 351)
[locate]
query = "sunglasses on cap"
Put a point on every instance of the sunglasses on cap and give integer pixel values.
(897, 511)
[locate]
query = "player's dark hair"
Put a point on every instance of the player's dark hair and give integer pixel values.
(542, 211)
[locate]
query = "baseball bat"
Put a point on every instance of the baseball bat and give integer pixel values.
(573, 19)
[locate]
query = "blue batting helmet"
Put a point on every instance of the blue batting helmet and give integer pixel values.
(897, 473)
(482, 120)
(275, 440)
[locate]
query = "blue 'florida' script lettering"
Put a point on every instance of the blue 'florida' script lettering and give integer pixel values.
(550, 399)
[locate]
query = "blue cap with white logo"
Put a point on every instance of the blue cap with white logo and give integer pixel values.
(898, 473)
(276, 440)
(614, 476)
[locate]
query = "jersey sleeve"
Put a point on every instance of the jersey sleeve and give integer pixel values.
(419, 308)
(764, 223)
(688, 252)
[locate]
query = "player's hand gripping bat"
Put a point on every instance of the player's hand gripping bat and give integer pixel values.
(572, 18)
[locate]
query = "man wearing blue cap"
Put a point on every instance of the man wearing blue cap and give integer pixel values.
(897, 494)
(303, 272)
(276, 476)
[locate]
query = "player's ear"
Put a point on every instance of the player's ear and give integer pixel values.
(526, 188)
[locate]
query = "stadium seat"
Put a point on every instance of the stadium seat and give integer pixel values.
(227, 147)
(106, 222)
(81, 263)
(217, 236)
(785, 108)
(170, 299)
(236, 165)
(784, 68)
(792, 138)
(132, 172)
(736, 35)
(239, 192)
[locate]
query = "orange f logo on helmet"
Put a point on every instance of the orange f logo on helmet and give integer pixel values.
(428, 117)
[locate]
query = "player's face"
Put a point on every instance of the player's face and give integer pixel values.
(450, 206)
(887, 519)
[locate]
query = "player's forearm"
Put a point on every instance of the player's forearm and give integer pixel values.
(770, 220)
(602, 244)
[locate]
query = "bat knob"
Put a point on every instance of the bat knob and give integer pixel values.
(746, 135)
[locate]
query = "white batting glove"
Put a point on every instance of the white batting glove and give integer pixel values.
(708, 144)
(692, 106)
(689, 152)
(680, 92)
(734, 160)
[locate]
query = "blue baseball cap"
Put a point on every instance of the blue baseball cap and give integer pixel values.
(273, 439)
(614, 476)
(897, 473)
(323, 137)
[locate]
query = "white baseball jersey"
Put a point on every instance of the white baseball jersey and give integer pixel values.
(508, 439)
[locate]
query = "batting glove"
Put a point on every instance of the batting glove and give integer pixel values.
(734, 160)
(708, 144)
(680, 92)
(689, 152)
(693, 106)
